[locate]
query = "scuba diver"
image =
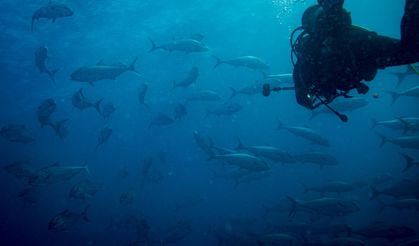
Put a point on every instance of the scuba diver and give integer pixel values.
(334, 56)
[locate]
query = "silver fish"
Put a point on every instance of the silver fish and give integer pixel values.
(81, 102)
(56, 173)
(412, 92)
(66, 220)
(16, 134)
(227, 109)
(406, 142)
(20, 169)
(317, 158)
(346, 105)
(30, 195)
(84, 190)
(183, 45)
(306, 133)
(269, 152)
(205, 143)
(250, 90)
(324, 206)
(244, 161)
(104, 136)
(251, 62)
(410, 70)
(41, 56)
(180, 112)
(203, 96)
(51, 11)
(189, 79)
(60, 128)
(102, 71)
(402, 204)
(161, 120)
(403, 189)
(107, 110)
(331, 187)
(45, 110)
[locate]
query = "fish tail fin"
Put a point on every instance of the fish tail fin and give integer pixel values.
(132, 66)
(58, 127)
(84, 214)
(52, 74)
(374, 193)
(239, 144)
(294, 205)
(153, 45)
(400, 78)
(233, 92)
(97, 105)
(394, 96)
(218, 62)
(410, 162)
(374, 123)
(86, 168)
(174, 84)
(384, 140)
(406, 125)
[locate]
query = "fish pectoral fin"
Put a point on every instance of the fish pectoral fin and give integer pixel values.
(53, 20)
(91, 83)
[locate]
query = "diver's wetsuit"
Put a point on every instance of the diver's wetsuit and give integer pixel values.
(334, 56)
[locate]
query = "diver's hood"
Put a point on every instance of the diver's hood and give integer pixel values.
(322, 20)
(331, 4)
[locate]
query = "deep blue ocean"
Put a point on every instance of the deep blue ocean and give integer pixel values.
(156, 184)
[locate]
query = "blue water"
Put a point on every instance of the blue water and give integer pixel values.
(118, 31)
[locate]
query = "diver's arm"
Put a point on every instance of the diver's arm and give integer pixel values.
(394, 52)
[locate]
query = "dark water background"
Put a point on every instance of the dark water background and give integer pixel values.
(118, 31)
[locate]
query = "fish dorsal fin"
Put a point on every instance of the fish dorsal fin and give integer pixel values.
(100, 63)
(50, 2)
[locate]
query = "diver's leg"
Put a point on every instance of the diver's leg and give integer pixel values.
(410, 27)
